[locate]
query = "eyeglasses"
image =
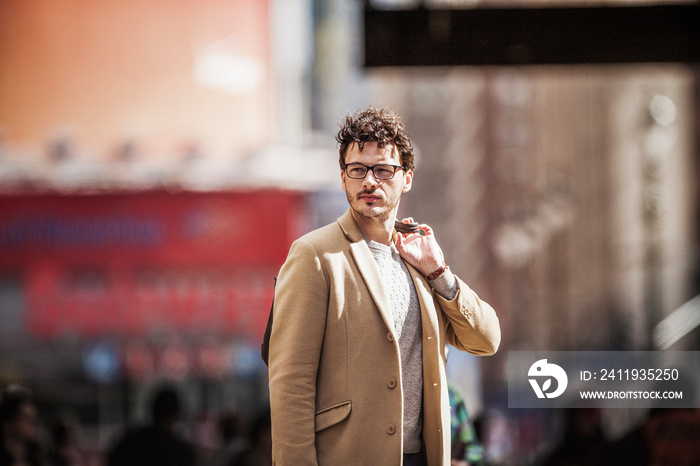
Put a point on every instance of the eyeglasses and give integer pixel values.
(358, 171)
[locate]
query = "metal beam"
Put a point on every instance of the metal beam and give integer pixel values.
(532, 36)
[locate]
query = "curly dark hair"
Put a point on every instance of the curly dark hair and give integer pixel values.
(380, 125)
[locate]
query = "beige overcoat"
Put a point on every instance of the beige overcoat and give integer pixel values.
(335, 374)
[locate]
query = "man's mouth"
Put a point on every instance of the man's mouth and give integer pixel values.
(370, 197)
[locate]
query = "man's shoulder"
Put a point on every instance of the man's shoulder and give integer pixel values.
(328, 234)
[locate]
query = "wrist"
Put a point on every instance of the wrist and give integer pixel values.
(437, 272)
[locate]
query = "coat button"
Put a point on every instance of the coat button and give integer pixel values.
(390, 429)
(392, 383)
(389, 336)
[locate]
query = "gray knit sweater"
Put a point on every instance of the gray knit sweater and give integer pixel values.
(399, 286)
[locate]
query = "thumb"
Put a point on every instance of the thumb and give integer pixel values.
(400, 241)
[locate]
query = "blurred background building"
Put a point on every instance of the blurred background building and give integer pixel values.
(157, 159)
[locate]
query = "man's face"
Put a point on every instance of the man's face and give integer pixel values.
(369, 197)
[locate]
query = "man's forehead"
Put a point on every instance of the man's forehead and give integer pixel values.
(372, 148)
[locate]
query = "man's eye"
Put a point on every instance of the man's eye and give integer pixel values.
(357, 171)
(383, 171)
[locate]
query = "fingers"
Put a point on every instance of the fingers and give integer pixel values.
(422, 229)
(426, 228)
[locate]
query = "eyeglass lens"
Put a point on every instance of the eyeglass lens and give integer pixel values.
(380, 172)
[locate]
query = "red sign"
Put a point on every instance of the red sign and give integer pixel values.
(127, 264)
(148, 228)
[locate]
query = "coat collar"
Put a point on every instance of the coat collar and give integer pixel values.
(349, 227)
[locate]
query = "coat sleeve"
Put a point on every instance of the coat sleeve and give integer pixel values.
(471, 323)
(298, 326)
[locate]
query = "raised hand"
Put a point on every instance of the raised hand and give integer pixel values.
(421, 250)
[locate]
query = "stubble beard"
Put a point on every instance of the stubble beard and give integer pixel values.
(373, 215)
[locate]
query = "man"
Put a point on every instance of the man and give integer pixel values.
(158, 442)
(360, 321)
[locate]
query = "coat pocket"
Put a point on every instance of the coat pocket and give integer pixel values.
(331, 416)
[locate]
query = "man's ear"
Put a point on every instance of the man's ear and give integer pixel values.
(408, 181)
(342, 180)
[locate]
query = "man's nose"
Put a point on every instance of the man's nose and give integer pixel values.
(370, 180)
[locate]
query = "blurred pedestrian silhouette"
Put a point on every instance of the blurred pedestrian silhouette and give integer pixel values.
(233, 442)
(669, 436)
(65, 449)
(259, 452)
(583, 442)
(19, 426)
(466, 448)
(157, 444)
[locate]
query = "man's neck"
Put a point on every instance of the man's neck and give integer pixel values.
(374, 229)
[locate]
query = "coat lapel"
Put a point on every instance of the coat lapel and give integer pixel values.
(371, 275)
(368, 269)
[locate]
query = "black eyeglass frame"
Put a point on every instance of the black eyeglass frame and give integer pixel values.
(371, 168)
